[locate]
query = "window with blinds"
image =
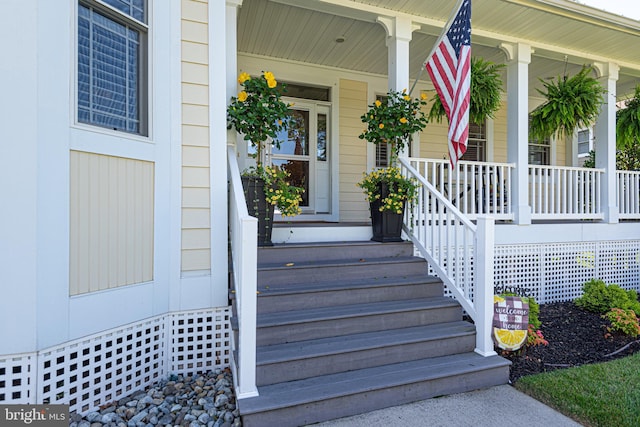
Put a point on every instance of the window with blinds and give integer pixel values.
(382, 150)
(539, 150)
(112, 79)
(584, 142)
(477, 143)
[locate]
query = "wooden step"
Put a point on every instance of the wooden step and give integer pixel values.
(321, 398)
(302, 296)
(301, 252)
(322, 322)
(304, 359)
(321, 270)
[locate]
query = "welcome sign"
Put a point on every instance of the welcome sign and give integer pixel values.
(510, 321)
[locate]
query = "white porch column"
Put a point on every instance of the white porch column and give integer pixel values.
(518, 59)
(399, 32)
(605, 141)
(231, 52)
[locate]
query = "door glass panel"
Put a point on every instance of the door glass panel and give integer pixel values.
(322, 138)
(299, 171)
(296, 139)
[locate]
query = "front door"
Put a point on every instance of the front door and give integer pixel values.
(304, 153)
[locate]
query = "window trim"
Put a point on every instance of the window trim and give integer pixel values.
(546, 145)
(589, 141)
(144, 75)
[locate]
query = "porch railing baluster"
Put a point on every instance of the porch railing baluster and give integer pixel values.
(450, 244)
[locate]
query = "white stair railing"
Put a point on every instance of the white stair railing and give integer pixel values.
(561, 192)
(243, 236)
(475, 188)
(629, 194)
(460, 253)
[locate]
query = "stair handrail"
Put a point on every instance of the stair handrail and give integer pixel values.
(449, 241)
(243, 239)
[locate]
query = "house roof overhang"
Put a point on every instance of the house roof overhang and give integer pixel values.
(563, 34)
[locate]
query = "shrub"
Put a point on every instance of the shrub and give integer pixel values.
(623, 320)
(600, 297)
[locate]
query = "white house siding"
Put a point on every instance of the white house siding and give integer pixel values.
(353, 151)
(111, 222)
(196, 203)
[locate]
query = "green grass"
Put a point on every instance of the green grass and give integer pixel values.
(597, 395)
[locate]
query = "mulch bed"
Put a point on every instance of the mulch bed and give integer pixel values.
(576, 337)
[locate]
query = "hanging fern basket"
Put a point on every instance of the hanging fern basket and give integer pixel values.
(571, 103)
(628, 123)
(485, 96)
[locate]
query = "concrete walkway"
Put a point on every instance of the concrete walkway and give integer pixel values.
(496, 406)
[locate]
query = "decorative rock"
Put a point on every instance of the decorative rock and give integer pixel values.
(109, 417)
(92, 417)
(221, 399)
(204, 418)
(197, 401)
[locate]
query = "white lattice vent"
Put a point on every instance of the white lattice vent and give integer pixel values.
(557, 272)
(200, 341)
(17, 382)
(92, 371)
(87, 373)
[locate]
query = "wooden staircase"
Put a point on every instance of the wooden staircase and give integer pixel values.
(347, 328)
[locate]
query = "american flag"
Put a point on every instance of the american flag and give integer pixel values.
(450, 69)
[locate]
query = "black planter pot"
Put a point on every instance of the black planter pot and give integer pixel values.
(387, 225)
(259, 208)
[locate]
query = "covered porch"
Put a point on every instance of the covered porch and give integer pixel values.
(356, 51)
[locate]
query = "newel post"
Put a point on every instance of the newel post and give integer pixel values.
(483, 295)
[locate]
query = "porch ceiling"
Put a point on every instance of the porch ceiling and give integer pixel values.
(306, 31)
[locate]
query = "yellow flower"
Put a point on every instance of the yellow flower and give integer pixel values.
(272, 83)
(407, 98)
(403, 120)
(243, 77)
(378, 103)
(242, 96)
(381, 125)
(268, 75)
(423, 96)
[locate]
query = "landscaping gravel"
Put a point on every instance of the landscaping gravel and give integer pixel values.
(190, 401)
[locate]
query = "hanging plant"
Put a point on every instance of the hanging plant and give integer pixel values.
(486, 89)
(571, 103)
(628, 122)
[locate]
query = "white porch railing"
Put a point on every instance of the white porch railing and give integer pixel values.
(243, 232)
(474, 188)
(629, 194)
(460, 252)
(560, 192)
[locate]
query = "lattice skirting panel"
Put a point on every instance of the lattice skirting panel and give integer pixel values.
(557, 272)
(100, 368)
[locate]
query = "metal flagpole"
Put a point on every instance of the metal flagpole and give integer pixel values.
(435, 46)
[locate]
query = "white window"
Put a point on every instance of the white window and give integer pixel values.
(477, 143)
(539, 150)
(112, 64)
(382, 150)
(584, 142)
